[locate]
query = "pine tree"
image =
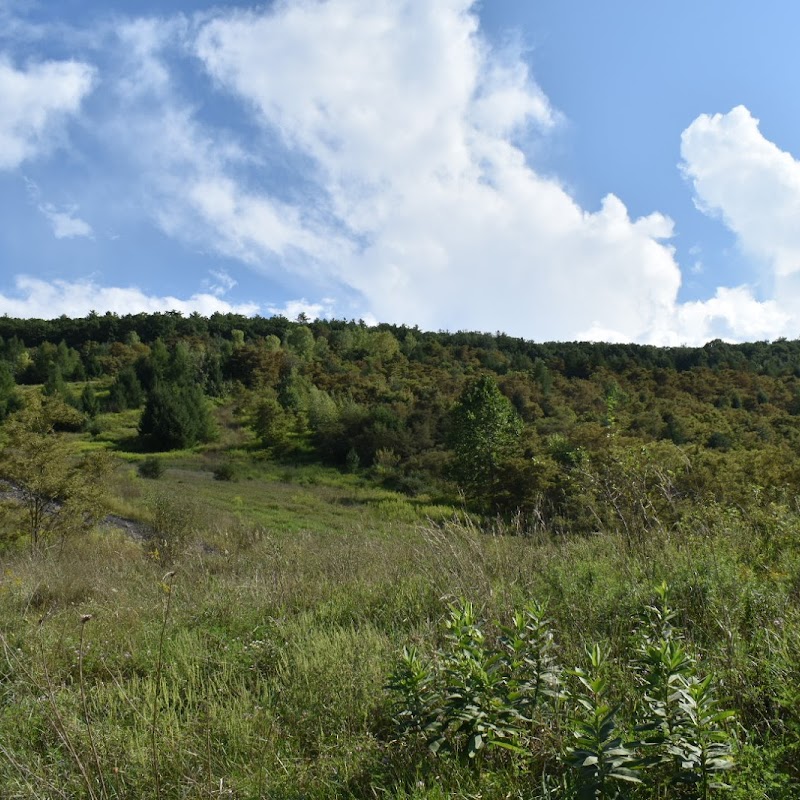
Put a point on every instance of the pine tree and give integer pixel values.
(176, 417)
(484, 428)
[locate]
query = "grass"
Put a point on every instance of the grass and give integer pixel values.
(295, 590)
(277, 648)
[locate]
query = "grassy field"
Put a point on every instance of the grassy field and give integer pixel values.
(244, 649)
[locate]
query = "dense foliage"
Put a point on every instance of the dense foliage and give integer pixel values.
(565, 429)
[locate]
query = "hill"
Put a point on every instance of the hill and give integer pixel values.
(375, 559)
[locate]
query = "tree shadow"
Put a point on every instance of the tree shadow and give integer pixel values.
(132, 444)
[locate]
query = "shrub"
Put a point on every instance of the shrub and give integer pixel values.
(176, 416)
(152, 467)
(226, 472)
(480, 695)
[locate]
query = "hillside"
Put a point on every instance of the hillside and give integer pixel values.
(341, 523)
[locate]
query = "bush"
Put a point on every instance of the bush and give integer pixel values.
(93, 426)
(226, 472)
(151, 467)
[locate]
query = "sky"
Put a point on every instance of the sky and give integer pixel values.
(551, 169)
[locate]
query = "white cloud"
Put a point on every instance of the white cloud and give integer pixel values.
(47, 300)
(219, 282)
(64, 222)
(408, 117)
(753, 187)
(380, 166)
(34, 103)
(733, 314)
(247, 226)
(293, 308)
(185, 169)
(746, 180)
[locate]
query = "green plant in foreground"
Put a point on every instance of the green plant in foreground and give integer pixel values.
(704, 749)
(471, 697)
(533, 674)
(598, 755)
(684, 726)
(418, 700)
(662, 667)
(475, 711)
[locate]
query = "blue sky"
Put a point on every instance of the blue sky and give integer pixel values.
(557, 169)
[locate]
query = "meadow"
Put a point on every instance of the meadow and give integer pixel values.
(245, 647)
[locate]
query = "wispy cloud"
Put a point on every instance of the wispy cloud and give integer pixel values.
(219, 282)
(34, 105)
(65, 223)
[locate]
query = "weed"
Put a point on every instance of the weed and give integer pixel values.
(167, 585)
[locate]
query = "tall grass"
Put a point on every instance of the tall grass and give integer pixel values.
(263, 673)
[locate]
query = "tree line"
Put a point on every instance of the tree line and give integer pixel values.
(576, 433)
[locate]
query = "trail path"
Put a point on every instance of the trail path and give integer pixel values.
(133, 528)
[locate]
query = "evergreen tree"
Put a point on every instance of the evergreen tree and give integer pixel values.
(56, 386)
(126, 391)
(176, 416)
(484, 428)
(89, 403)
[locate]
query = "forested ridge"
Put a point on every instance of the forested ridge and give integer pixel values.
(719, 422)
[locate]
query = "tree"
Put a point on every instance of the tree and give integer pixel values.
(271, 422)
(55, 383)
(89, 403)
(9, 399)
(484, 427)
(176, 416)
(126, 391)
(59, 492)
(300, 340)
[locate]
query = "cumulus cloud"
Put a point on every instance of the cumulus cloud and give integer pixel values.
(753, 187)
(732, 314)
(65, 223)
(371, 152)
(34, 103)
(50, 299)
(408, 117)
(749, 183)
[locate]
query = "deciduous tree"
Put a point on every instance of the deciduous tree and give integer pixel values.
(60, 492)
